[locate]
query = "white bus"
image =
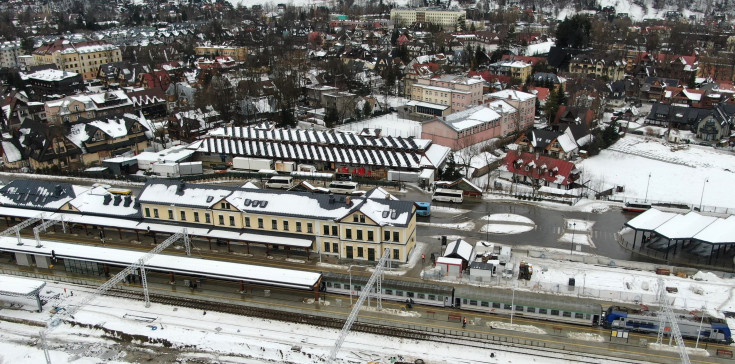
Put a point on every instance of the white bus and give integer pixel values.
(342, 187)
(280, 182)
(447, 195)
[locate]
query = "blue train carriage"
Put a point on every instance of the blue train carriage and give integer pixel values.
(643, 320)
(528, 304)
(393, 289)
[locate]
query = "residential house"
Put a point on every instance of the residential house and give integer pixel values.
(84, 58)
(540, 170)
(589, 66)
(717, 126)
(518, 70)
(103, 137)
(674, 116)
(46, 146)
(151, 102)
(561, 145)
(71, 108)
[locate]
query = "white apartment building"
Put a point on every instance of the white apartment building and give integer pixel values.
(447, 19)
(9, 52)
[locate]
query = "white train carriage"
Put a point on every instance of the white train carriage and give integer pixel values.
(527, 304)
(394, 290)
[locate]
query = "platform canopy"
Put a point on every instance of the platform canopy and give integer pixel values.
(722, 231)
(650, 220)
(19, 287)
(685, 226)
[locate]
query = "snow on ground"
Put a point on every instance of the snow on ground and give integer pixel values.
(689, 169)
(576, 238)
(212, 337)
(586, 336)
(448, 209)
(505, 228)
(635, 11)
(617, 284)
(674, 348)
(509, 218)
(515, 327)
(578, 225)
(464, 226)
(390, 124)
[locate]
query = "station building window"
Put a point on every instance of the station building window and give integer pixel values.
(206, 218)
(370, 235)
(196, 216)
(285, 225)
(232, 221)
(170, 214)
(326, 247)
(247, 222)
(183, 215)
(309, 228)
(260, 223)
(298, 226)
(396, 254)
(155, 213)
(147, 212)
(359, 252)
(274, 224)
(221, 219)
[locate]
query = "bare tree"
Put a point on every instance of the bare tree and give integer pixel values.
(467, 148)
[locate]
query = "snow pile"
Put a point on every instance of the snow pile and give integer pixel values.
(509, 218)
(515, 327)
(391, 311)
(464, 226)
(585, 336)
(505, 228)
(675, 349)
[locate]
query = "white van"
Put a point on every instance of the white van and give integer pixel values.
(508, 271)
(342, 187)
(280, 182)
(447, 195)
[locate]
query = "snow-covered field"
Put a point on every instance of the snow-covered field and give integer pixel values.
(675, 175)
(390, 124)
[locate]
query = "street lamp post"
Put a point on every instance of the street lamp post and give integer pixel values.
(571, 249)
(349, 270)
(648, 184)
(512, 305)
(704, 184)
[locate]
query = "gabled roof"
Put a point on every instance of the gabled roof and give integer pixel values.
(542, 167)
(36, 194)
(459, 249)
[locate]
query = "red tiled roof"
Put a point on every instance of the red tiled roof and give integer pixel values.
(561, 169)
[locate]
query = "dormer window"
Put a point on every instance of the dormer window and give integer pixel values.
(99, 135)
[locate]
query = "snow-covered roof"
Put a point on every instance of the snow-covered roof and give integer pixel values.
(15, 286)
(471, 117)
(11, 152)
(567, 143)
(685, 226)
(719, 232)
(449, 261)
(459, 248)
(512, 95)
(190, 195)
(50, 75)
(292, 278)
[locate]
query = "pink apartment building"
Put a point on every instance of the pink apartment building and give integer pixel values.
(449, 94)
(474, 125)
(525, 104)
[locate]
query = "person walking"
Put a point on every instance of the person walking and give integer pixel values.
(464, 322)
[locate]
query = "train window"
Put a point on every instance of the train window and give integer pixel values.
(566, 314)
(507, 306)
(421, 296)
(409, 294)
(432, 297)
(530, 309)
(484, 304)
(519, 308)
(542, 311)
(473, 302)
(329, 284)
(578, 315)
(554, 312)
(337, 285)
(496, 305)
(389, 291)
(399, 293)
(358, 288)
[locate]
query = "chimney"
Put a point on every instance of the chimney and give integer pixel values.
(387, 196)
(180, 188)
(348, 201)
(58, 191)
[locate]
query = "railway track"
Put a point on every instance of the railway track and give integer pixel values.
(460, 337)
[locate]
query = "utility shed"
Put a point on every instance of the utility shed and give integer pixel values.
(450, 267)
(460, 249)
(21, 290)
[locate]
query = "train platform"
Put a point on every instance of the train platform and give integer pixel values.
(495, 330)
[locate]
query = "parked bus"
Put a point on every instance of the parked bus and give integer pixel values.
(447, 195)
(280, 182)
(423, 208)
(120, 191)
(342, 187)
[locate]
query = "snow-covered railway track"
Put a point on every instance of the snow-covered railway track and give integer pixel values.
(498, 343)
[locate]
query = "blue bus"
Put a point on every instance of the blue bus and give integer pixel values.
(423, 208)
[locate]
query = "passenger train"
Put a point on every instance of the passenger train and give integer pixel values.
(691, 326)
(538, 306)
